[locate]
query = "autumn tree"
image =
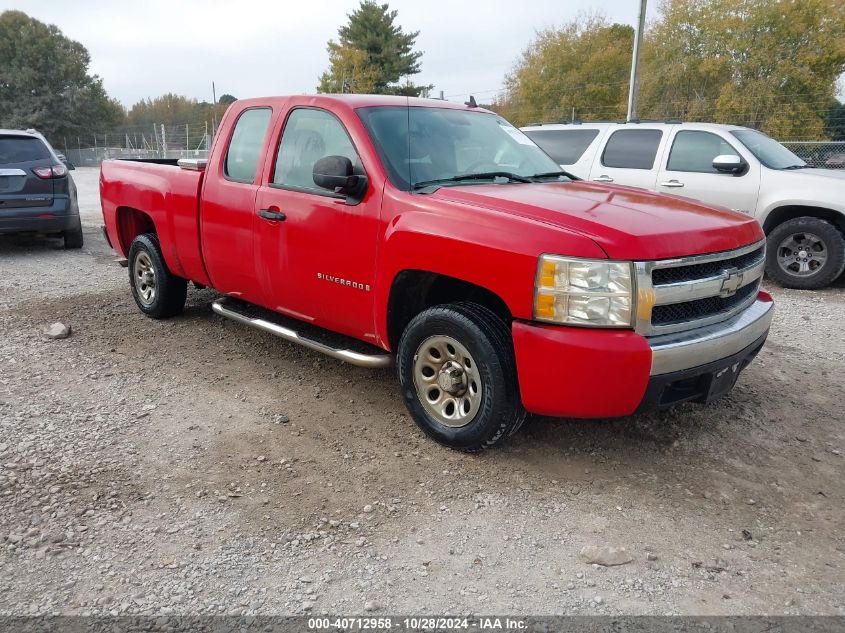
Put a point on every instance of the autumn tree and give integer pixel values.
(771, 64)
(45, 83)
(372, 54)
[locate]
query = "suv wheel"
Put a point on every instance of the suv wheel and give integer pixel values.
(458, 376)
(73, 236)
(805, 253)
(158, 292)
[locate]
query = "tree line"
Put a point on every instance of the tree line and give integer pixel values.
(770, 64)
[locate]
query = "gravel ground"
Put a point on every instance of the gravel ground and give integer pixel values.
(196, 466)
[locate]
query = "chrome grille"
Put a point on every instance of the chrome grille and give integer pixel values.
(691, 272)
(695, 291)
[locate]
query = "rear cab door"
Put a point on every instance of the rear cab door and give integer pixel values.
(630, 155)
(227, 201)
(687, 170)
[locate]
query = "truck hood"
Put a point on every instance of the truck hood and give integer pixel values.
(820, 176)
(627, 223)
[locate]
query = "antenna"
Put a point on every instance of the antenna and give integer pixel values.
(471, 103)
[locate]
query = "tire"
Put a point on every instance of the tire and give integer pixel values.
(488, 381)
(813, 237)
(73, 236)
(159, 293)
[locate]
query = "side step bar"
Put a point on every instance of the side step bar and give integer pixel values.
(372, 361)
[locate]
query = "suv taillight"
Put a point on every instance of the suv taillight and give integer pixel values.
(54, 171)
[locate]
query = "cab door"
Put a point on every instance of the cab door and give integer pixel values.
(630, 157)
(227, 207)
(688, 171)
(316, 252)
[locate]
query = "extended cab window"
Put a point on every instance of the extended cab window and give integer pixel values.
(632, 149)
(245, 146)
(565, 146)
(309, 136)
(694, 150)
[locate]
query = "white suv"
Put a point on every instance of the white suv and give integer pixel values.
(801, 209)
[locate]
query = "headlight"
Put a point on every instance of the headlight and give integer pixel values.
(589, 292)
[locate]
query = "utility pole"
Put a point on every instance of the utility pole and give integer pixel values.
(163, 142)
(635, 62)
(213, 109)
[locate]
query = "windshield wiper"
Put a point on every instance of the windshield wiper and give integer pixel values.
(805, 165)
(487, 175)
(552, 174)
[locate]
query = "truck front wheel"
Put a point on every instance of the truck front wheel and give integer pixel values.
(458, 376)
(158, 292)
(805, 253)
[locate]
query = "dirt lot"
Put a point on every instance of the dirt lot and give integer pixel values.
(196, 466)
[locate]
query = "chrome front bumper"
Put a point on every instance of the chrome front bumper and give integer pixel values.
(685, 350)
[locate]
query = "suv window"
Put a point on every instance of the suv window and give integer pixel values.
(245, 147)
(564, 146)
(22, 149)
(310, 135)
(632, 149)
(694, 150)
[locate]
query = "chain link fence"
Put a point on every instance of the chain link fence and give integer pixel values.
(824, 154)
(193, 140)
(189, 140)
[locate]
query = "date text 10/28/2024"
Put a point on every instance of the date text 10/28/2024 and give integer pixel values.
(416, 624)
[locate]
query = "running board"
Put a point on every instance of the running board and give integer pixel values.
(373, 361)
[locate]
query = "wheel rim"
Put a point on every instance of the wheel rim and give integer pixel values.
(802, 254)
(447, 381)
(145, 278)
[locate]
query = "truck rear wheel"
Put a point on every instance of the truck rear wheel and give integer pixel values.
(805, 253)
(159, 293)
(458, 376)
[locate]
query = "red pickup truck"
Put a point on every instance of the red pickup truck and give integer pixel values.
(374, 228)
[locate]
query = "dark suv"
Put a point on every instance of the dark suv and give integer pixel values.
(37, 193)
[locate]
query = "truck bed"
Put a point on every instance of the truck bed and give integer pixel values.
(155, 192)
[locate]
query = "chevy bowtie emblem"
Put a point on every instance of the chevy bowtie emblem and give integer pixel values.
(731, 283)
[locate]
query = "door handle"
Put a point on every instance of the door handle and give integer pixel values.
(273, 216)
(672, 183)
(603, 178)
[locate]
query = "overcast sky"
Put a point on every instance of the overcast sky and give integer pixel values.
(253, 48)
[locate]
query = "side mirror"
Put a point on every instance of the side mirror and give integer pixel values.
(335, 174)
(729, 164)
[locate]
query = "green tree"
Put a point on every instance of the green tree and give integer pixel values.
(227, 99)
(168, 109)
(771, 64)
(583, 65)
(44, 81)
(835, 121)
(372, 54)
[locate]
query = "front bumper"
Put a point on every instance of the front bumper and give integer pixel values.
(585, 373)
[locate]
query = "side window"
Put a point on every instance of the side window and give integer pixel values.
(694, 151)
(632, 149)
(245, 147)
(565, 147)
(310, 135)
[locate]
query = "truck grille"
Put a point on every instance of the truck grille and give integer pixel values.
(695, 291)
(700, 308)
(663, 276)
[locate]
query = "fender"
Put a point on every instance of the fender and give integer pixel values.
(494, 250)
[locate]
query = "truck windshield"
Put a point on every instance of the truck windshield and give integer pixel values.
(422, 147)
(768, 151)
